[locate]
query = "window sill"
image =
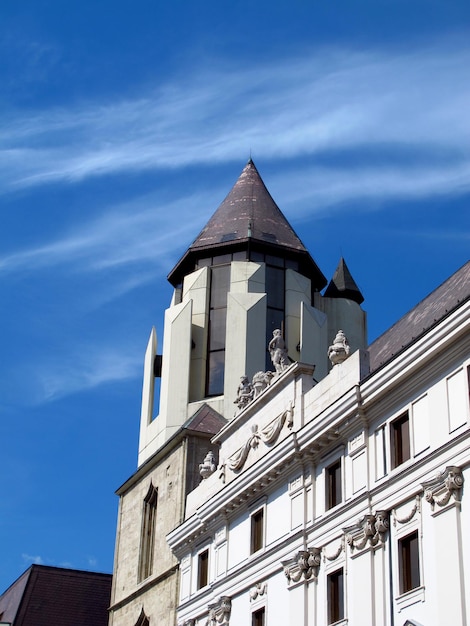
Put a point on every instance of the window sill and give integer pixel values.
(410, 597)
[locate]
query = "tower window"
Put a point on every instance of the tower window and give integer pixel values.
(257, 531)
(408, 556)
(400, 440)
(220, 283)
(147, 539)
(335, 593)
(333, 485)
(203, 569)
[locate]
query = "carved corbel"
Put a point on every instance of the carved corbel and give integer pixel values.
(305, 564)
(219, 612)
(445, 485)
(370, 529)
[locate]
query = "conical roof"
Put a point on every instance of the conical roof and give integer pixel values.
(342, 285)
(248, 217)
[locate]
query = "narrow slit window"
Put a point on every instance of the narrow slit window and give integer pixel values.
(147, 538)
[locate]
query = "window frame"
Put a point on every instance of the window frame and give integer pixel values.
(335, 596)
(257, 530)
(202, 575)
(400, 445)
(334, 494)
(148, 534)
(409, 573)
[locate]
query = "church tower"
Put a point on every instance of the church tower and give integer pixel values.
(246, 274)
(245, 279)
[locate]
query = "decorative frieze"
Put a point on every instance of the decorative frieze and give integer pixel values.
(219, 612)
(304, 565)
(371, 529)
(334, 555)
(407, 518)
(267, 435)
(258, 590)
(446, 485)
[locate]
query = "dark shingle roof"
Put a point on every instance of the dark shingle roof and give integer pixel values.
(248, 217)
(342, 285)
(442, 301)
(248, 211)
(45, 596)
(205, 420)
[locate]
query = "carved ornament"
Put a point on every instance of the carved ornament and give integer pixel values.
(267, 435)
(409, 517)
(260, 589)
(334, 555)
(305, 565)
(208, 466)
(371, 529)
(339, 350)
(444, 486)
(219, 612)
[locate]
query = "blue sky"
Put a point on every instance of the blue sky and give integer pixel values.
(124, 125)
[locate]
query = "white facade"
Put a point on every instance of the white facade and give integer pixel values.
(353, 531)
(336, 494)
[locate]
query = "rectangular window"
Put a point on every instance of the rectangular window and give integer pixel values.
(258, 617)
(257, 531)
(203, 569)
(335, 591)
(400, 440)
(408, 556)
(220, 285)
(147, 538)
(333, 485)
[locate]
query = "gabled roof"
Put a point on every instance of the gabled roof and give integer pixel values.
(437, 305)
(46, 595)
(205, 420)
(248, 217)
(342, 285)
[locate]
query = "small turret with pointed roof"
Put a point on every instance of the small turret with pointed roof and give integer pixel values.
(342, 285)
(248, 219)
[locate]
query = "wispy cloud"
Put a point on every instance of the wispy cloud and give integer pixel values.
(88, 368)
(29, 558)
(145, 229)
(321, 101)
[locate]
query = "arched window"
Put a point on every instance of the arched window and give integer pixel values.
(147, 539)
(143, 620)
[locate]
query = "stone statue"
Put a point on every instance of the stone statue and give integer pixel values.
(208, 466)
(277, 349)
(260, 381)
(244, 392)
(339, 351)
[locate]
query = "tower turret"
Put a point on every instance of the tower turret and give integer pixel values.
(245, 275)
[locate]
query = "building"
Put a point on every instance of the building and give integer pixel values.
(55, 596)
(335, 471)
